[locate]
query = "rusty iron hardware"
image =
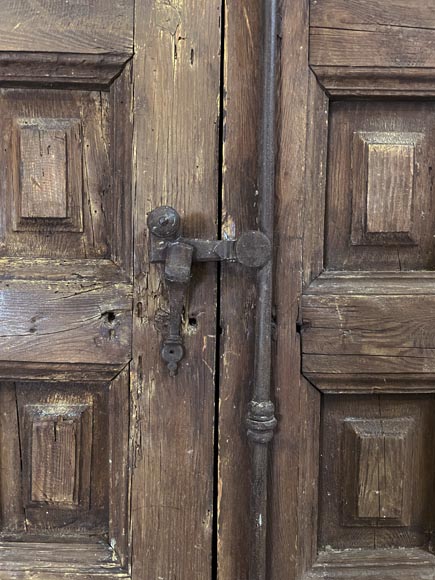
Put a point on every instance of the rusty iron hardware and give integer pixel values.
(251, 249)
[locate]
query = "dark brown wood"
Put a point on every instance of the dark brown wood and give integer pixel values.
(120, 465)
(47, 69)
(65, 288)
(292, 511)
(383, 328)
(177, 82)
(363, 81)
(352, 426)
(359, 131)
(239, 194)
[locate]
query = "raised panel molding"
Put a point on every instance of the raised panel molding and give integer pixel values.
(48, 179)
(376, 481)
(377, 460)
(348, 81)
(383, 166)
(57, 468)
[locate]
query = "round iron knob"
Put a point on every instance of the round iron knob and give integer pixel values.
(164, 222)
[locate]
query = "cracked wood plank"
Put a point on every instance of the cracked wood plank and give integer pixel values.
(177, 79)
(65, 322)
(238, 293)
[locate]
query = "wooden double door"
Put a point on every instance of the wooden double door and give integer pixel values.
(109, 467)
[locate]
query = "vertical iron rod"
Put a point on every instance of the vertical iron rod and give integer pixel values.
(261, 420)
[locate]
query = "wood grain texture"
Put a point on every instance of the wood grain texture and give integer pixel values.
(55, 464)
(390, 187)
(340, 464)
(352, 13)
(120, 465)
(65, 322)
(376, 121)
(121, 162)
(383, 181)
(292, 514)
(43, 172)
(45, 69)
(406, 564)
(177, 64)
(348, 81)
(88, 560)
(315, 181)
(377, 457)
(385, 330)
(87, 166)
(74, 27)
(239, 212)
(371, 46)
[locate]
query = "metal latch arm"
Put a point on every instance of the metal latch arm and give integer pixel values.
(252, 249)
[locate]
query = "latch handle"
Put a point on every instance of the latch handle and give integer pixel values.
(252, 249)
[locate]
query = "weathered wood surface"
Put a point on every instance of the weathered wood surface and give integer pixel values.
(239, 211)
(352, 14)
(387, 47)
(363, 81)
(45, 69)
(119, 471)
(292, 513)
(355, 126)
(65, 322)
(406, 564)
(351, 479)
(85, 232)
(387, 328)
(177, 82)
(73, 27)
(56, 561)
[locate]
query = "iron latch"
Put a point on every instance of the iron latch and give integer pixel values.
(167, 245)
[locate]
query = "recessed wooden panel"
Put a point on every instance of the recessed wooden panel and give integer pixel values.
(377, 459)
(57, 472)
(390, 186)
(48, 179)
(64, 433)
(379, 212)
(376, 475)
(55, 174)
(383, 166)
(43, 172)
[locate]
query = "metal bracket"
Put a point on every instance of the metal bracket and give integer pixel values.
(252, 249)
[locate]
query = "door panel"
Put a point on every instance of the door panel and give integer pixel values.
(65, 292)
(367, 312)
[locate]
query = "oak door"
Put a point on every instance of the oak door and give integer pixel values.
(367, 307)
